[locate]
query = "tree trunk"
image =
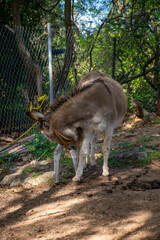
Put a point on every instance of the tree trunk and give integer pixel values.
(32, 69)
(69, 50)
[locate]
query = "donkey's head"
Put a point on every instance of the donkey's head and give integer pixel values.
(45, 127)
(48, 131)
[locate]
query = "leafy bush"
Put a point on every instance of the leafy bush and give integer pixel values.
(41, 147)
(6, 160)
(144, 93)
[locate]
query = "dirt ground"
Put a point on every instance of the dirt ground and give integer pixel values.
(97, 209)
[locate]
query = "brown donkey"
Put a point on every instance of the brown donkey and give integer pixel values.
(97, 105)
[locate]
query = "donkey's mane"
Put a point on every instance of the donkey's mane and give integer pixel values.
(59, 101)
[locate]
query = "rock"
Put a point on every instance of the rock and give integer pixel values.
(135, 153)
(42, 178)
(18, 179)
(13, 179)
(26, 157)
(33, 173)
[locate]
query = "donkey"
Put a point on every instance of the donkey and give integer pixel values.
(98, 105)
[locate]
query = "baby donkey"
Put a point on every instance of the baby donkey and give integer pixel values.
(97, 105)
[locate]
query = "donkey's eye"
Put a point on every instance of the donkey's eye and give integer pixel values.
(45, 126)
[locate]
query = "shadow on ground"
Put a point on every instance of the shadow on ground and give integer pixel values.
(96, 209)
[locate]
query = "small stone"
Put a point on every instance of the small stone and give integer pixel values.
(117, 182)
(157, 181)
(147, 187)
(135, 181)
(26, 157)
(78, 192)
(123, 188)
(138, 175)
(109, 191)
(103, 184)
(155, 186)
(90, 195)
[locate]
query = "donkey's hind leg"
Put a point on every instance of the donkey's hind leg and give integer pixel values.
(83, 154)
(74, 156)
(92, 155)
(106, 149)
(90, 159)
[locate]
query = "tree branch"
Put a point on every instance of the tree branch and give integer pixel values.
(140, 75)
(108, 19)
(49, 10)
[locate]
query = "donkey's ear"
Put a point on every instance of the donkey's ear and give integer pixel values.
(35, 115)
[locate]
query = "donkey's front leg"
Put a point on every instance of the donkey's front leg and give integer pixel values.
(84, 151)
(57, 155)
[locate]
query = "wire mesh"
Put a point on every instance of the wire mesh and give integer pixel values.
(24, 75)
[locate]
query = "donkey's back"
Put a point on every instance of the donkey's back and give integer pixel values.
(107, 95)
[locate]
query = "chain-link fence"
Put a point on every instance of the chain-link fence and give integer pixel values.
(24, 75)
(24, 72)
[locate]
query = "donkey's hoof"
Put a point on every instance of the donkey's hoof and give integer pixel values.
(85, 170)
(56, 181)
(105, 173)
(76, 179)
(93, 167)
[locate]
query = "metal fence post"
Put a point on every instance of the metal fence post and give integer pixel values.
(50, 61)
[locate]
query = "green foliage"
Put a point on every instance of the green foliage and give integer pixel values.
(68, 164)
(6, 160)
(154, 155)
(143, 141)
(144, 93)
(27, 170)
(41, 147)
(128, 162)
(124, 163)
(35, 175)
